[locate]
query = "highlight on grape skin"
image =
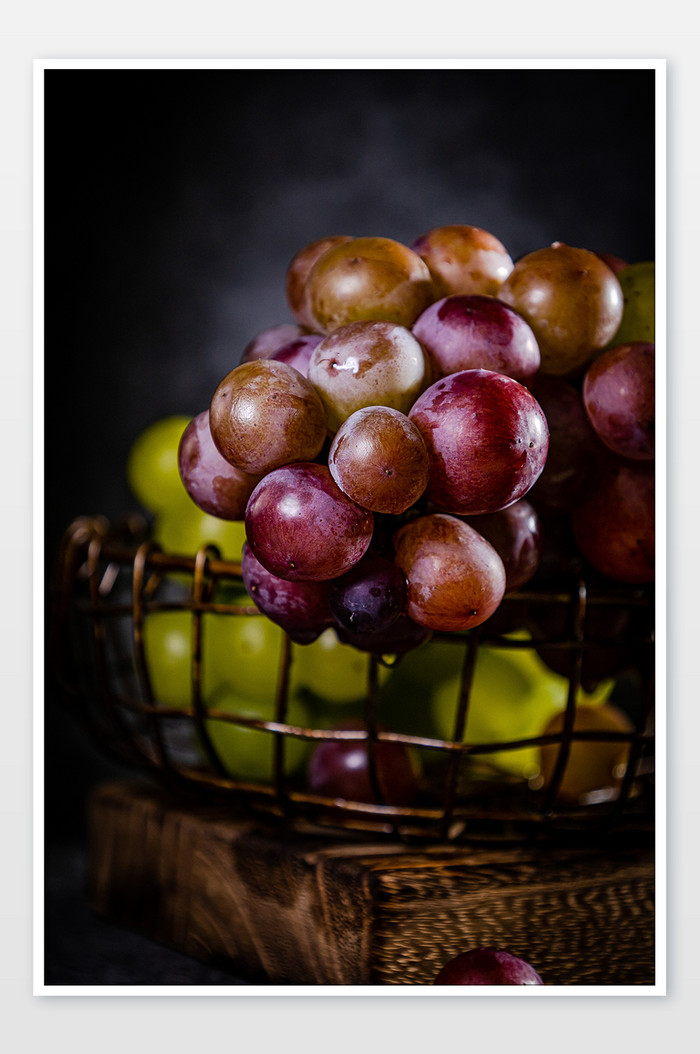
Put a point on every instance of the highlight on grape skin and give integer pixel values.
(487, 966)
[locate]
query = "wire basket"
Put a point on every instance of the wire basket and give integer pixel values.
(111, 579)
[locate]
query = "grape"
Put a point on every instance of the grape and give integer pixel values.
(487, 441)
(614, 523)
(592, 765)
(370, 597)
(331, 670)
(618, 394)
(571, 299)
(378, 458)
(298, 352)
(402, 636)
(615, 263)
(270, 340)
(637, 282)
(248, 753)
(464, 259)
(487, 966)
(301, 526)
(516, 535)
(152, 469)
(368, 278)
(340, 769)
(574, 450)
(456, 579)
(265, 414)
(368, 364)
(242, 652)
(478, 332)
(184, 529)
(215, 485)
(167, 642)
(300, 608)
(298, 273)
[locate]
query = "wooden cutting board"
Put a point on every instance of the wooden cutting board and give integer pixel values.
(313, 908)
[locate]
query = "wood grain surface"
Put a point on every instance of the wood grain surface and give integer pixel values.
(309, 907)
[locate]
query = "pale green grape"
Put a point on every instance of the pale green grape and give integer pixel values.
(152, 468)
(638, 289)
(248, 753)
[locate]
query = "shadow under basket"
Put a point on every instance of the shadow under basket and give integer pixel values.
(110, 579)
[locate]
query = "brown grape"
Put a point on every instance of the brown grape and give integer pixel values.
(464, 259)
(298, 273)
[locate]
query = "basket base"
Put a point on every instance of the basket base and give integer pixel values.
(316, 909)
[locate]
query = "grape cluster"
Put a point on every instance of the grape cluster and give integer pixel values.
(399, 454)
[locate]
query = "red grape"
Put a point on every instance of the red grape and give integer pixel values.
(340, 769)
(371, 363)
(265, 414)
(298, 273)
(614, 523)
(516, 535)
(486, 437)
(571, 299)
(464, 259)
(213, 483)
(456, 579)
(267, 342)
(618, 394)
(300, 608)
(302, 527)
(378, 458)
(298, 352)
(487, 966)
(368, 278)
(478, 332)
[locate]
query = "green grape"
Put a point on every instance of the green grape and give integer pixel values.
(152, 467)
(335, 672)
(167, 641)
(243, 652)
(248, 753)
(637, 284)
(184, 528)
(513, 696)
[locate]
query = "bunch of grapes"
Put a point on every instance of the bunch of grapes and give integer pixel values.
(397, 452)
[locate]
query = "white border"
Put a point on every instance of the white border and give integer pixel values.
(243, 991)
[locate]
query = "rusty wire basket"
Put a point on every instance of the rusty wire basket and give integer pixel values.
(111, 579)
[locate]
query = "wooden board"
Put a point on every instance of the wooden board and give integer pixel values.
(324, 909)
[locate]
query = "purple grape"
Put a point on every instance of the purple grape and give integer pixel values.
(403, 635)
(268, 341)
(516, 535)
(300, 608)
(487, 966)
(618, 394)
(302, 527)
(478, 332)
(369, 597)
(215, 485)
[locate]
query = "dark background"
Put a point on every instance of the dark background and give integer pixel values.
(175, 199)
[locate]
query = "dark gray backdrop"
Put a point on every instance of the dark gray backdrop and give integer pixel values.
(175, 199)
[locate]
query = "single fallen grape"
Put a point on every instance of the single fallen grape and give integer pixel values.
(464, 259)
(456, 579)
(478, 332)
(619, 398)
(265, 414)
(295, 286)
(368, 278)
(152, 465)
(487, 441)
(638, 283)
(300, 608)
(213, 483)
(487, 966)
(368, 363)
(571, 299)
(379, 459)
(302, 527)
(340, 769)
